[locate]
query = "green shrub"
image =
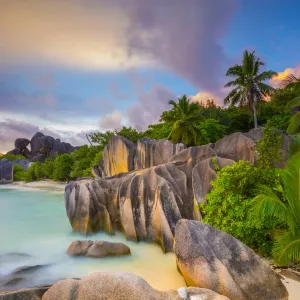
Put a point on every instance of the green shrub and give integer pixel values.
(19, 174)
(268, 148)
(12, 157)
(228, 204)
(63, 165)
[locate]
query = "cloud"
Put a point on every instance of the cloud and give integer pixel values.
(108, 35)
(84, 34)
(149, 106)
(276, 81)
(201, 97)
(111, 121)
(11, 129)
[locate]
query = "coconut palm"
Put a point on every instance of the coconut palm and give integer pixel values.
(249, 87)
(293, 83)
(184, 118)
(267, 203)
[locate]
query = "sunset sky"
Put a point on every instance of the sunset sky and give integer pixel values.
(68, 67)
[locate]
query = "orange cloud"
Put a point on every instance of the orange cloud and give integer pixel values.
(276, 81)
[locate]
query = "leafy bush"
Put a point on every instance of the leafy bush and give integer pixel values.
(63, 165)
(12, 157)
(211, 131)
(19, 174)
(229, 202)
(268, 148)
(286, 208)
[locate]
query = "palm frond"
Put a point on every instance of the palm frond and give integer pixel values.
(267, 203)
(287, 248)
(294, 124)
(294, 102)
(265, 76)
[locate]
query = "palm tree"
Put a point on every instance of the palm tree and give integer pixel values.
(249, 84)
(184, 118)
(293, 83)
(287, 242)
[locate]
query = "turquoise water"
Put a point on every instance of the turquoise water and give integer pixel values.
(34, 224)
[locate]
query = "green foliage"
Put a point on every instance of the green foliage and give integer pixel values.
(229, 202)
(211, 131)
(249, 87)
(294, 145)
(12, 157)
(279, 121)
(19, 174)
(285, 207)
(63, 165)
(83, 159)
(101, 138)
(158, 131)
(268, 148)
(184, 118)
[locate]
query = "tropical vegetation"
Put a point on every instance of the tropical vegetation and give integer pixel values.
(249, 87)
(258, 204)
(283, 204)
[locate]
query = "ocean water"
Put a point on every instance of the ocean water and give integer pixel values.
(36, 231)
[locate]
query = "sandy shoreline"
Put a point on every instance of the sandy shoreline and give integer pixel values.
(47, 185)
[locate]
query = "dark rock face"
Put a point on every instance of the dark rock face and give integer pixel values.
(6, 171)
(42, 146)
(120, 286)
(21, 143)
(209, 258)
(97, 249)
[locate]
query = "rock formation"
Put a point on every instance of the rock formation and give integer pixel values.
(6, 171)
(236, 146)
(42, 146)
(120, 286)
(150, 186)
(209, 258)
(97, 249)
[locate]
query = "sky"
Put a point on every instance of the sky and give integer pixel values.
(70, 67)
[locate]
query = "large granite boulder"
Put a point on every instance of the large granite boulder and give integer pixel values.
(145, 204)
(152, 153)
(236, 146)
(204, 172)
(6, 171)
(118, 156)
(209, 258)
(21, 143)
(36, 143)
(97, 249)
(120, 286)
(15, 151)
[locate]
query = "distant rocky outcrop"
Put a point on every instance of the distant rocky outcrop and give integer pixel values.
(42, 146)
(6, 171)
(120, 286)
(212, 259)
(97, 249)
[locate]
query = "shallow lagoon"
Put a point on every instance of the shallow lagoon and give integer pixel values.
(34, 222)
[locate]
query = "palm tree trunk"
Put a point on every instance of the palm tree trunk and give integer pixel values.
(254, 115)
